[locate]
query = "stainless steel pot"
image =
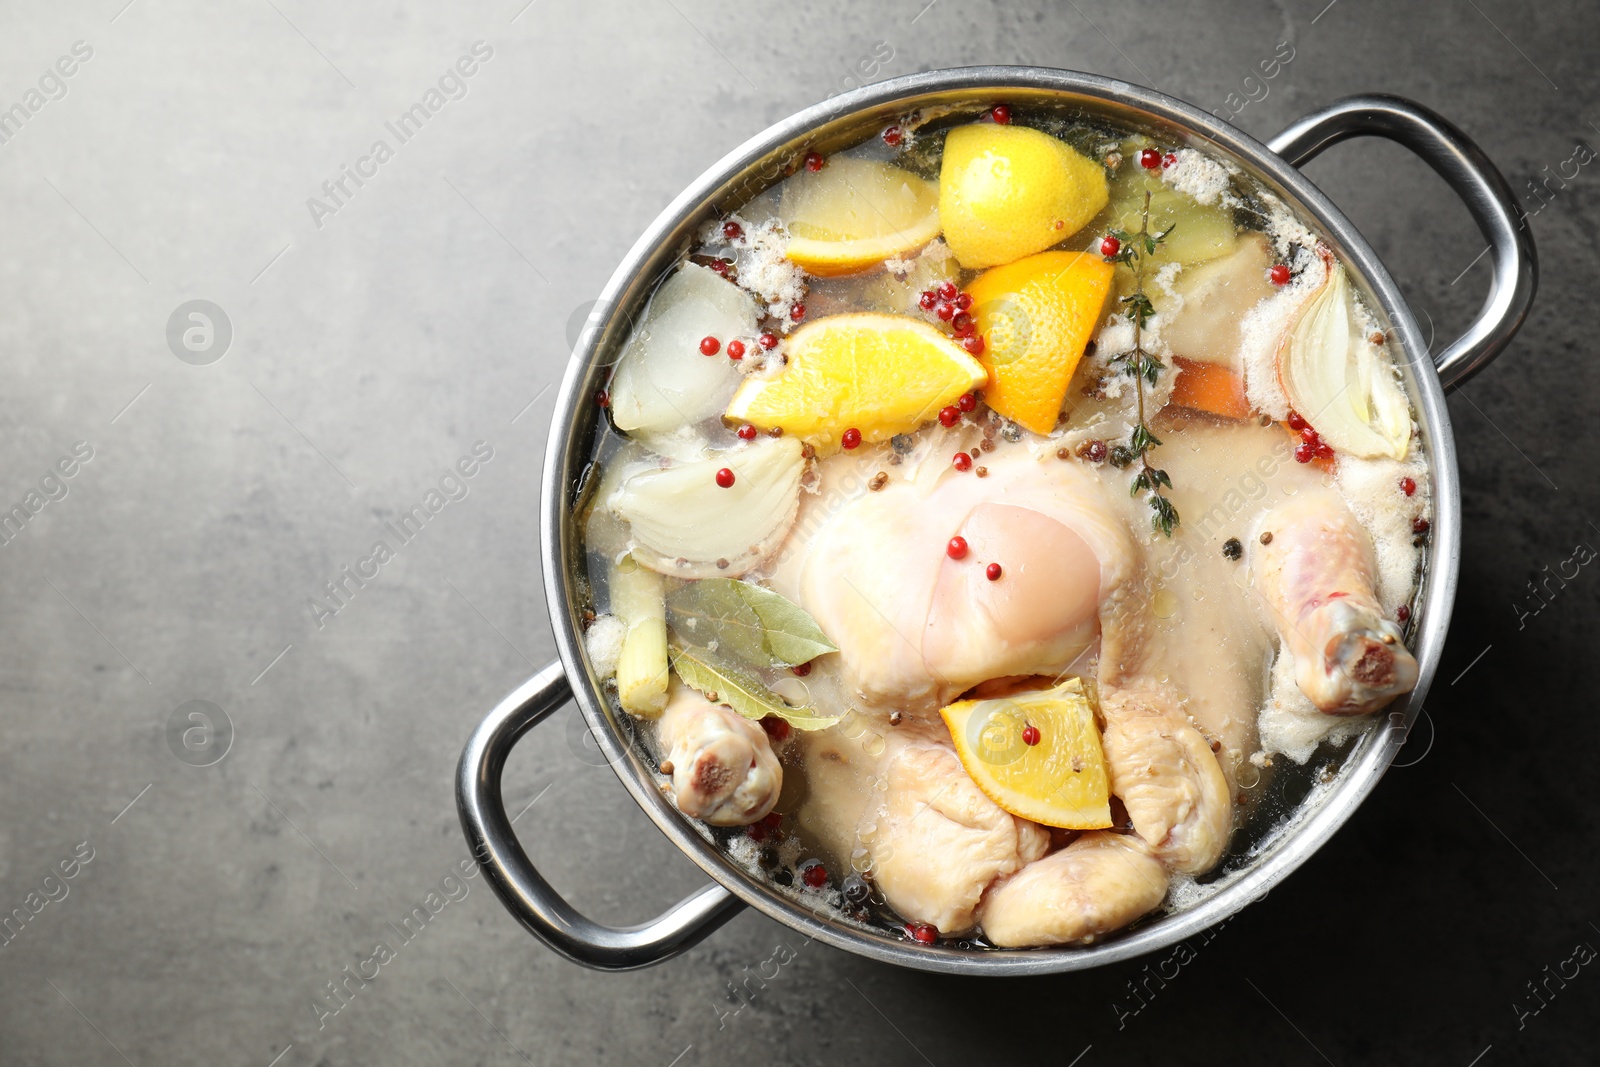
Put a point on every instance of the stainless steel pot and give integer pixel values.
(847, 119)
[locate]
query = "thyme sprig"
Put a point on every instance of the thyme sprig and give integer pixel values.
(1145, 369)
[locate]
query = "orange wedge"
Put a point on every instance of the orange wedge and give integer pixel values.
(879, 374)
(1036, 316)
(1060, 780)
(855, 213)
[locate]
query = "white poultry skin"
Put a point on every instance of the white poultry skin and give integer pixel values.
(917, 629)
(723, 768)
(1316, 579)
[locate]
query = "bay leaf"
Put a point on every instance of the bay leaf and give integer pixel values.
(807, 718)
(742, 690)
(745, 623)
(793, 636)
(712, 614)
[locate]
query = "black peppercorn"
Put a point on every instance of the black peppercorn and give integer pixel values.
(1232, 548)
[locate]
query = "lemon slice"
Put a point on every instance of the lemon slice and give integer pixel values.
(1060, 780)
(1036, 317)
(1007, 191)
(856, 213)
(878, 374)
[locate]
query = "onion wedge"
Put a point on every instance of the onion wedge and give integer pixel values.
(685, 524)
(1337, 379)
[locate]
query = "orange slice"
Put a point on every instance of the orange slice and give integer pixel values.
(1036, 316)
(879, 374)
(855, 213)
(1058, 781)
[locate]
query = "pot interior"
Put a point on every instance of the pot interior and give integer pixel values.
(1303, 807)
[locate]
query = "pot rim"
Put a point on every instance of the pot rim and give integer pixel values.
(1319, 814)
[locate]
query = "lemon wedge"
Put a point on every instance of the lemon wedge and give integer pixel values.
(1036, 317)
(855, 213)
(878, 374)
(1008, 191)
(1060, 779)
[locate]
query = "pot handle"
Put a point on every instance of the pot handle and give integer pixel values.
(519, 885)
(1464, 167)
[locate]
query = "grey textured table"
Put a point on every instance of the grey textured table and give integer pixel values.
(377, 338)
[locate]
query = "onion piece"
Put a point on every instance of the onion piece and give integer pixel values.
(662, 382)
(685, 525)
(1337, 379)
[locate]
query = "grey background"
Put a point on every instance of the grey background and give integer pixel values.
(430, 313)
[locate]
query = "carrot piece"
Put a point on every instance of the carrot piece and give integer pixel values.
(1209, 387)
